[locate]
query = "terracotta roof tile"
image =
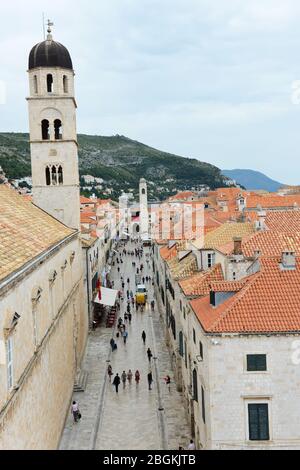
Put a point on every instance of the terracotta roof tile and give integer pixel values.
(25, 231)
(199, 284)
(267, 303)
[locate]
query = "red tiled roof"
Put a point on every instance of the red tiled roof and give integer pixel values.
(269, 243)
(268, 303)
(199, 284)
(284, 221)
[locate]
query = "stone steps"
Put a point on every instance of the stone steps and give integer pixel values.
(81, 381)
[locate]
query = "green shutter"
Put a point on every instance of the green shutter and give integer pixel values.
(258, 422)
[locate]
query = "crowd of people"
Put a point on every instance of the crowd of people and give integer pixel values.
(128, 308)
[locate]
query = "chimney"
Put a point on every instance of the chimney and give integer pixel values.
(288, 260)
(237, 246)
(262, 220)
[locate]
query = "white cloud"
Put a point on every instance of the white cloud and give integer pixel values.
(196, 77)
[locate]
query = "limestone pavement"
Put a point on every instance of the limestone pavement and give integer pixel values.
(135, 418)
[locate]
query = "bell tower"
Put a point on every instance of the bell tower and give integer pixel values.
(53, 136)
(144, 213)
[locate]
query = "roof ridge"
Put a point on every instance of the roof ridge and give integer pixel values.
(236, 298)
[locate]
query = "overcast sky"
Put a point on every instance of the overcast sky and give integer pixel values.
(210, 79)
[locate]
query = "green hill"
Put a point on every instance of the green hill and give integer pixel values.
(119, 161)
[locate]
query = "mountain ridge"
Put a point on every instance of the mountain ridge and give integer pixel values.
(253, 179)
(119, 161)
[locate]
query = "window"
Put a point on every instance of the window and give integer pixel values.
(181, 349)
(258, 415)
(9, 363)
(185, 355)
(45, 129)
(49, 83)
(60, 176)
(57, 129)
(65, 84)
(184, 313)
(143, 191)
(201, 350)
(194, 335)
(54, 175)
(48, 176)
(256, 362)
(35, 84)
(195, 385)
(180, 305)
(210, 259)
(203, 404)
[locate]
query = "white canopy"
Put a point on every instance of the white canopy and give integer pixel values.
(108, 297)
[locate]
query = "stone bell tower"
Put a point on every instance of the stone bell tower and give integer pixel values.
(53, 137)
(144, 213)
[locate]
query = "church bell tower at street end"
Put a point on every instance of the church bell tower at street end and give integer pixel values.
(53, 136)
(144, 213)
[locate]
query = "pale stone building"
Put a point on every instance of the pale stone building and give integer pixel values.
(43, 318)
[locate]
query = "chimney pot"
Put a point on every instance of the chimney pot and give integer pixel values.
(237, 246)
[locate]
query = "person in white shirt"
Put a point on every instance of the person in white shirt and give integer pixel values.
(75, 411)
(191, 445)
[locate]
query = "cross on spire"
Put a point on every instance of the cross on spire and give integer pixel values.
(49, 30)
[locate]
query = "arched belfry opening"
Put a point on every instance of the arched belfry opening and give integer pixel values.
(48, 176)
(60, 176)
(65, 84)
(45, 129)
(50, 83)
(57, 129)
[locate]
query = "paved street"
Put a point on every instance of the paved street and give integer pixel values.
(136, 418)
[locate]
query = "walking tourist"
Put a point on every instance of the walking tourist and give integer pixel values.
(117, 382)
(144, 337)
(150, 379)
(149, 354)
(137, 377)
(129, 376)
(191, 445)
(75, 411)
(124, 378)
(109, 372)
(125, 336)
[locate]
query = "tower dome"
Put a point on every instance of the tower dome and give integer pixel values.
(50, 53)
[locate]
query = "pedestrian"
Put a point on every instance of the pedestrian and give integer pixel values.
(144, 337)
(168, 382)
(118, 270)
(109, 372)
(147, 278)
(123, 285)
(117, 382)
(129, 318)
(124, 378)
(143, 280)
(128, 281)
(128, 308)
(126, 317)
(112, 344)
(128, 294)
(150, 379)
(137, 376)
(149, 354)
(152, 305)
(191, 445)
(132, 301)
(125, 336)
(129, 376)
(75, 411)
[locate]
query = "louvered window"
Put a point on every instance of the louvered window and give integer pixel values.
(258, 422)
(256, 362)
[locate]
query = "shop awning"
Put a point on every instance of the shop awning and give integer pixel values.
(108, 297)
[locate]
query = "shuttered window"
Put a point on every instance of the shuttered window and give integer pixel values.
(256, 362)
(258, 422)
(181, 348)
(203, 404)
